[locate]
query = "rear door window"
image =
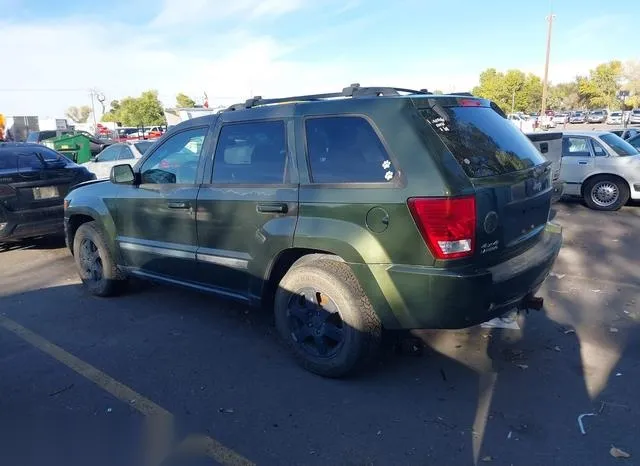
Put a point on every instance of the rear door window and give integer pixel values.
(619, 145)
(575, 147)
(346, 150)
(482, 141)
(251, 153)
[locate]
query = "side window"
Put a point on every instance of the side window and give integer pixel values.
(29, 162)
(575, 147)
(346, 150)
(125, 153)
(109, 154)
(176, 160)
(251, 153)
(598, 149)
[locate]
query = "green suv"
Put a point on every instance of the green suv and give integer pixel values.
(347, 213)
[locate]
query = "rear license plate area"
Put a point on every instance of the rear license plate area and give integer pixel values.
(45, 192)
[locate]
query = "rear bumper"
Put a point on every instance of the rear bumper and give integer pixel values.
(558, 191)
(431, 298)
(31, 223)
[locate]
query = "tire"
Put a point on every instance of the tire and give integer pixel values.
(606, 193)
(95, 261)
(313, 301)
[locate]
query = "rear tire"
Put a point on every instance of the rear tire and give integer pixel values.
(325, 319)
(95, 261)
(606, 193)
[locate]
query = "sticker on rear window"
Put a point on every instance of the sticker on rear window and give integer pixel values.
(386, 164)
(388, 175)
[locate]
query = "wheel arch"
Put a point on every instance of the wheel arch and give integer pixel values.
(603, 175)
(283, 262)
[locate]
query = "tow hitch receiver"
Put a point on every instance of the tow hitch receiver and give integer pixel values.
(532, 302)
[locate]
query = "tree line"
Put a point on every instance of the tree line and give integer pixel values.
(517, 91)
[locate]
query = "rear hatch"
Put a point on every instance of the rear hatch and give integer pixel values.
(512, 180)
(32, 181)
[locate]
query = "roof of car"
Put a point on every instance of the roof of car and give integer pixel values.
(21, 144)
(585, 133)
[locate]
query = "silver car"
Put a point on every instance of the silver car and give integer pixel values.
(600, 167)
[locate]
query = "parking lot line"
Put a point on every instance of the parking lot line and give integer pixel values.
(199, 445)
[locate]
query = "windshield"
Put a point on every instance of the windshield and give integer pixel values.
(483, 143)
(619, 145)
(143, 146)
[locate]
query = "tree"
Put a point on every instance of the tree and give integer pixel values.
(631, 78)
(565, 96)
(79, 114)
(184, 101)
(511, 90)
(136, 111)
(111, 114)
(602, 85)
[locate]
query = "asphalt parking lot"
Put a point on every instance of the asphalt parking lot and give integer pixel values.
(167, 376)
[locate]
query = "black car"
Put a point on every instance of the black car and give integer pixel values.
(33, 183)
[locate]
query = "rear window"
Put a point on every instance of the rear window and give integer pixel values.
(143, 146)
(619, 145)
(32, 137)
(483, 143)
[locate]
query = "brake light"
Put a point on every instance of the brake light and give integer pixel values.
(7, 191)
(470, 103)
(448, 225)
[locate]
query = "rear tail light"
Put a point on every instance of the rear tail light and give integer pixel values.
(448, 225)
(6, 191)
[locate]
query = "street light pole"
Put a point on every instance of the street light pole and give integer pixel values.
(545, 83)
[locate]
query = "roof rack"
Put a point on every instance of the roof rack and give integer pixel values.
(354, 90)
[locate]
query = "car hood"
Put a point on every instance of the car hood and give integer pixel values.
(88, 183)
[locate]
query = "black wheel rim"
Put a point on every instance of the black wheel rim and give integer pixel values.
(90, 261)
(315, 323)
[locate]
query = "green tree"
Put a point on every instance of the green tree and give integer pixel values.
(79, 114)
(184, 101)
(565, 96)
(134, 111)
(511, 90)
(631, 77)
(599, 89)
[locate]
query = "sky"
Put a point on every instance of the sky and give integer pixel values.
(233, 49)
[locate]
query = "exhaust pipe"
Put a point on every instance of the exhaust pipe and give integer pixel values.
(532, 302)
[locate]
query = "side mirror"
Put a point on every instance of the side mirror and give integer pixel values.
(122, 174)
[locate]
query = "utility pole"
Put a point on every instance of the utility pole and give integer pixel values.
(93, 108)
(545, 83)
(513, 100)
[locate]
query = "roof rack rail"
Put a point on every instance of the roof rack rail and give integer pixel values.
(354, 90)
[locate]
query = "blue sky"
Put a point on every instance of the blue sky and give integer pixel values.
(235, 48)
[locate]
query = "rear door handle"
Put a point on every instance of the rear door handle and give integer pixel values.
(275, 208)
(582, 162)
(178, 205)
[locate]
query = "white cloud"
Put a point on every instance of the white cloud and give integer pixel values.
(174, 12)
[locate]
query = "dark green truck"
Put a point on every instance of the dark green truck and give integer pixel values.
(347, 213)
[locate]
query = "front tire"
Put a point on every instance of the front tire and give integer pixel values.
(606, 193)
(95, 261)
(325, 319)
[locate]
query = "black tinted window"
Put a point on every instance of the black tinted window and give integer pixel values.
(29, 161)
(346, 150)
(251, 153)
(8, 161)
(143, 146)
(483, 143)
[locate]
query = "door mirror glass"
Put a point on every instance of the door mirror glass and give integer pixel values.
(122, 174)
